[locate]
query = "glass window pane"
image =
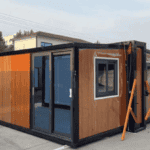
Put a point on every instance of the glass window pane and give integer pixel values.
(101, 78)
(36, 76)
(62, 80)
(62, 121)
(111, 77)
(41, 113)
(47, 80)
(42, 44)
(48, 44)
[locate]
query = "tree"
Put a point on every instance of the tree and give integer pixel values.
(9, 48)
(31, 31)
(97, 42)
(2, 43)
(18, 34)
(26, 33)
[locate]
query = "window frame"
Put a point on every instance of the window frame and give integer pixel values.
(116, 72)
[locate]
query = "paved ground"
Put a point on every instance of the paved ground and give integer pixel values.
(11, 139)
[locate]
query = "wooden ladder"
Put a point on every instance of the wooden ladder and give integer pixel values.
(130, 109)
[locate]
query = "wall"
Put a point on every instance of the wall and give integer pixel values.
(15, 89)
(96, 116)
(5, 89)
(25, 43)
(50, 40)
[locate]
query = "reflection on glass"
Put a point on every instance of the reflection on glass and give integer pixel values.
(36, 72)
(111, 78)
(101, 77)
(41, 112)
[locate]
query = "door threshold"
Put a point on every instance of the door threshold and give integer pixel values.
(53, 135)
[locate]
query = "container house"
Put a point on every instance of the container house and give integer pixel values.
(74, 93)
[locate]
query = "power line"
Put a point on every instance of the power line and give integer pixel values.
(38, 25)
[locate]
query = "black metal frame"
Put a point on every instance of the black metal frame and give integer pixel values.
(43, 83)
(132, 125)
(59, 105)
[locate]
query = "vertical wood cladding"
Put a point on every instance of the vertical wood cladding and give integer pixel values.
(5, 89)
(15, 89)
(96, 116)
(139, 85)
(1, 89)
(20, 90)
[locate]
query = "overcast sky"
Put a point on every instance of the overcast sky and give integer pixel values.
(104, 20)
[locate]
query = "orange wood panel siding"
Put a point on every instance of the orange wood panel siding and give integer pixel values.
(1, 89)
(5, 89)
(20, 90)
(139, 84)
(96, 116)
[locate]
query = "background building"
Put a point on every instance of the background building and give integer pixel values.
(39, 39)
(8, 40)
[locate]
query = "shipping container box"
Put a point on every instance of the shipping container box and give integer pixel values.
(74, 93)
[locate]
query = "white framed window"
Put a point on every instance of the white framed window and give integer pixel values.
(106, 77)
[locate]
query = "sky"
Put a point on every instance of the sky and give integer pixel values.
(91, 20)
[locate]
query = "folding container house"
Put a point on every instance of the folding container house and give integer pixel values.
(73, 93)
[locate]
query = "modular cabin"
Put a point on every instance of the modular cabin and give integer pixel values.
(74, 93)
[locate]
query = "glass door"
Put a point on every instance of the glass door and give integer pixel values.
(52, 92)
(62, 94)
(41, 91)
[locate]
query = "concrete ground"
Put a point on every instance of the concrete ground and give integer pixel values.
(11, 139)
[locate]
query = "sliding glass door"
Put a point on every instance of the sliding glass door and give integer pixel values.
(52, 92)
(41, 88)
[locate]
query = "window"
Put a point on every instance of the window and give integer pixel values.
(43, 44)
(36, 70)
(106, 77)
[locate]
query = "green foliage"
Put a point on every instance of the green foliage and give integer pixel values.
(2, 43)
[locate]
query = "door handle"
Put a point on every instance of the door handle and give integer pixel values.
(70, 90)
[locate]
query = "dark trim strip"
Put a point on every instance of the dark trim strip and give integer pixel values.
(31, 97)
(52, 137)
(61, 139)
(99, 136)
(75, 103)
(63, 46)
(143, 97)
(52, 94)
(61, 106)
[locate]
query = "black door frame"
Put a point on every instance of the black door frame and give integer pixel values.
(52, 88)
(132, 125)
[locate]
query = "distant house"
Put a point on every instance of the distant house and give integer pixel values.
(39, 39)
(8, 40)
